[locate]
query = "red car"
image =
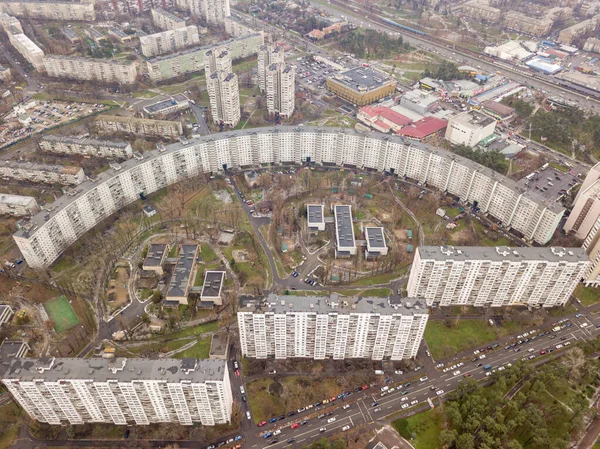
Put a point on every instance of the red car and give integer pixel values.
(542, 352)
(237, 372)
(295, 425)
(249, 203)
(332, 399)
(260, 424)
(467, 375)
(365, 387)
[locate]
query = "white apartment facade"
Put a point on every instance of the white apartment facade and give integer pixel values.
(47, 235)
(7, 22)
(50, 10)
(111, 124)
(501, 276)
(281, 89)
(469, 128)
(34, 172)
(223, 89)
(85, 146)
(18, 205)
(332, 328)
(215, 11)
(267, 56)
(91, 69)
(165, 20)
(25, 46)
(121, 391)
(586, 207)
(169, 41)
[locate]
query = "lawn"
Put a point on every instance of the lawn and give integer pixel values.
(207, 254)
(380, 278)
(561, 311)
(199, 351)
(378, 292)
(425, 426)
(196, 330)
(444, 341)
(587, 295)
(61, 313)
(559, 167)
(268, 399)
(10, 417)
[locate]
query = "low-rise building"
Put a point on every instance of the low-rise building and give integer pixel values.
(155, 258)
(501, 276)
(121, 391)
(169, 41)
(176, 103)
(143, 127)
(6, 313)
(95, 35)
(497, 110)
(328, 31)
(315, 217)
(212, 289)
(179, 286)
(361, 85)
(18, 205)
(521, 23)
(91, 69)
(70, 35)
(165, 20)
(382, 119)
(344, 231)
(50, 174)
(120, 35)
(469, 128)
(375, 238)
(49, 10)
(420, 101)
(332, 327)
(12, 349)
(85, 146)
(481, 10)
(423, 129)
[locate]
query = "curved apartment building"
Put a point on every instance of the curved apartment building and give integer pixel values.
(50, 232)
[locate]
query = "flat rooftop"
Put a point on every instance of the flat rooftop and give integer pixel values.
(155, 255)
(34, 166)
(314, 213)
(213, 284)
(121, 369)
(218, 345)
(165, 104)
(79, 140)
(183, 270)
(375, 237)
(168, 14)
(362, 79)
(338, 304)
(82, 189)
(503, 253)
(17, 200)
(344, 228)
(473, 119)
(9, 349)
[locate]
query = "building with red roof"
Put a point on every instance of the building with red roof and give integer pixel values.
(423, 128)
(382, 119)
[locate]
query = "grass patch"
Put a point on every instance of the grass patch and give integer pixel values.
(144, 94)
(444, 341)
(10, 417)
(196, 330)
(425, 426)
(207, 253)
(173, 251)
(383, 278)
(587, 295)
(378, 292)
(199, 351)
(559, 167)
(307, 293)
(61, 313)
(561, 311)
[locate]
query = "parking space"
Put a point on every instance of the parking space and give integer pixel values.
(550, 182)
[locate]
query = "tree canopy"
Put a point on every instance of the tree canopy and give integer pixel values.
(490, 159)
(372, 44)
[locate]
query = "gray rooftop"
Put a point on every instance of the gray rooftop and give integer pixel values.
(344, 229)
(121, 369)
(17, 200)
(502, 253)
(155, 255)
(473, 118)
(375, 237)
(9, 349)
(79, 140)
(337, 304)
(213, 283)
(165, 104)
(69, 33)
(82, 189)
(64, 169)
(315, 213)
(183, 271)
(362, 79)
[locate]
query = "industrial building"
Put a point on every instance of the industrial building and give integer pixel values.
(344, 231)
(361, 85)
(165, 20)
(420, 101)
(46, 235)
(511, 50)
(176, 103)
(18, 205)
(223, 89)
(469, 128)
(544, 65)
(212, 289)
(169, 41)
(375, 238)
(281, 89)
(143, 127)
(121, 391)
(500, 276)
(91, 69)
(179, 286)
(34, 172)
(85, 146)
(268, 55)
(334, 327)
(155, 258)
(315, 217)
(166, 67)
(49, 10)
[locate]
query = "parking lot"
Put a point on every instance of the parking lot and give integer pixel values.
(550, 183)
